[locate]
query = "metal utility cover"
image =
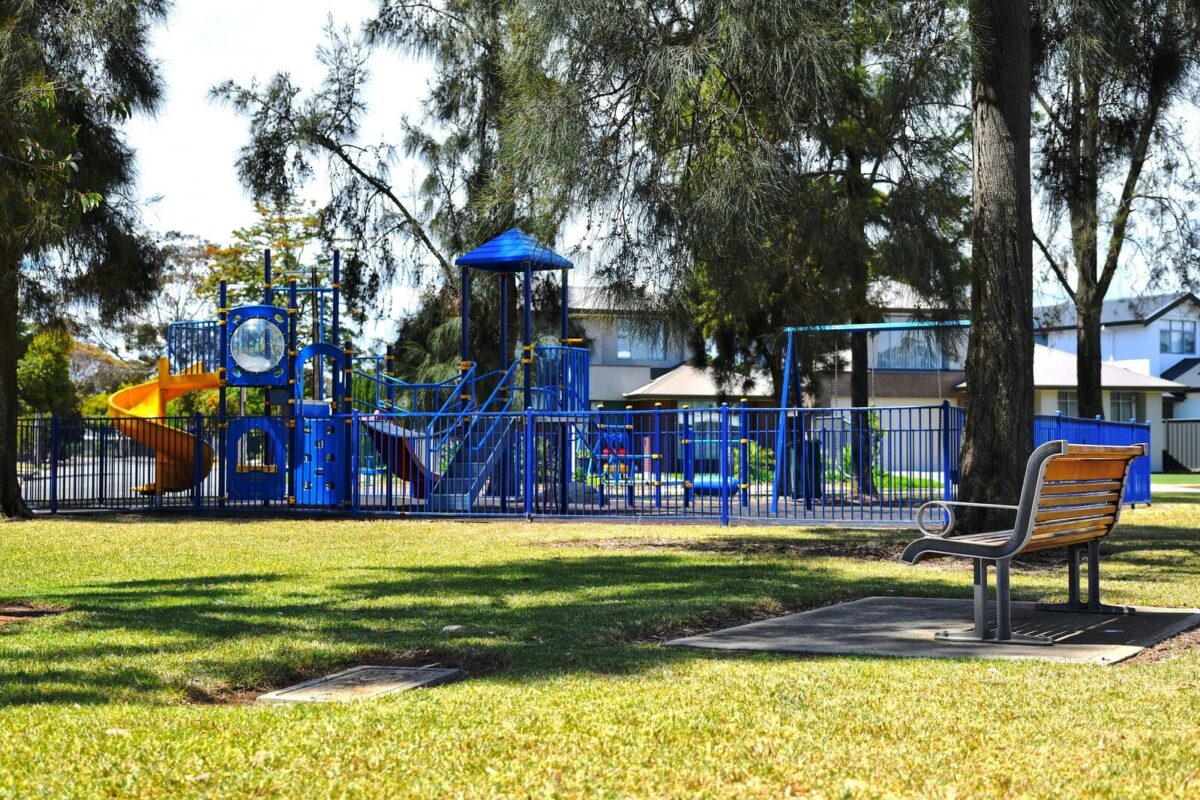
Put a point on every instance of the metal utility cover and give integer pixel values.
(360, 683)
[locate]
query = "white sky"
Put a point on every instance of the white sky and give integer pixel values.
(186, 155)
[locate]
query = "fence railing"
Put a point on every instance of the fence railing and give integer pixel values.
(726, 464)
(194, 346)
(1047, 428)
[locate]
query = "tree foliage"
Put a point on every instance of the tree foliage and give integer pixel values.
(71, 72)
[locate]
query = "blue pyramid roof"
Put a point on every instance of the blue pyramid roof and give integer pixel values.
(510, 252)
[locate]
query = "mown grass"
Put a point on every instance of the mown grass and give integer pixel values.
(570, 694)
(1171, 478)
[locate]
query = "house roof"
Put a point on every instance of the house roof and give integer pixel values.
(510, 252)
(686, 381)
(1118, 311)
(1180, 369)
(1055, 369)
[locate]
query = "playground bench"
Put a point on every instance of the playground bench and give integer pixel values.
(1071, 497)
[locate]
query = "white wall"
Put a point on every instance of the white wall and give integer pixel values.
(1138, 345)
(612, 377)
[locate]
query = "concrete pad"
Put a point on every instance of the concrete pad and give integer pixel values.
(905, 626)
(360, 683)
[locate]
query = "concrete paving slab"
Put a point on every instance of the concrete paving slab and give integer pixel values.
(360, 683)
(905, 626)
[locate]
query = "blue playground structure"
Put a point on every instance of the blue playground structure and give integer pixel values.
(303, 422)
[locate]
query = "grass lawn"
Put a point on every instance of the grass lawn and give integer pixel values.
(128, 693)
(1174, 479)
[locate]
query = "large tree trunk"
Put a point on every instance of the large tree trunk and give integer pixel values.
(11, 502)
(1088, 355)
(998, 433)
(860, 366)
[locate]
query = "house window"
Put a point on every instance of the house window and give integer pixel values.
(1177, 336)
(1124, 406)
(635, 343)
(1068, 403)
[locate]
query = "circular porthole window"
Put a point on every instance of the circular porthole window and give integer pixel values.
(256, 345)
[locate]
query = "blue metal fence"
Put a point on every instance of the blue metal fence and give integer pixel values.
(1047, 428)
(725, 464)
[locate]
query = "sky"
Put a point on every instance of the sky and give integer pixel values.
(187, 152)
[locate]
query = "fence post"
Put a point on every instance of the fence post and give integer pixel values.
(197, 460)
(1058, 425)
(627, 461)
(102, 489)
(529, 465)
(53, 463)
(355, 466)
(946, 451)
(657, 457)
(744, 455)
(723, 460)
(689, 464)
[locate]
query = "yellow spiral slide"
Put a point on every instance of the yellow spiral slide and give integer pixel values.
(134, 410)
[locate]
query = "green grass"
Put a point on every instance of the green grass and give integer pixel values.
(1171, 479)
(570, 695)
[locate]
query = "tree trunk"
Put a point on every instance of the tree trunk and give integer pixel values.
(11, 502)
(1088, 355)
(998, 433)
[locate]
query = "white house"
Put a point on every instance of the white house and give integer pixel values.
(629, 350)
(1153, 335)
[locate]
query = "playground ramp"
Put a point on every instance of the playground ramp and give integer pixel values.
(138, 412)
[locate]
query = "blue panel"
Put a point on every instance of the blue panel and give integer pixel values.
(234, 374)
(321, 468)
(259, 475)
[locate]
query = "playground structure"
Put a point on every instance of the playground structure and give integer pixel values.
(304, 422)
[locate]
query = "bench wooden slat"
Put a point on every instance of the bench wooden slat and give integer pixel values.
(1130, 451)
(1065, 468)
(1076, 487)
(1097, 523)
(1077, 512)
(1081, 499)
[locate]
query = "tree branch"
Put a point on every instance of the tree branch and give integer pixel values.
(1059, 272)
(448, 271)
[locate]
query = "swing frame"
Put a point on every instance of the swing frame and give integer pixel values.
(789, 368)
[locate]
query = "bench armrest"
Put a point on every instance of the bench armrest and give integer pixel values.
(947, 507)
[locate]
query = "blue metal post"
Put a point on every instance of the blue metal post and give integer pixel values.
(527, 347)
(335, 331)
(744, 455)
(355, 469)
(506, 462)
(566, 309)
(222, 392)
(601, 452)
(102, 489)
(293, 410)
(723, 460)
(268, 292)
(689, 463)
(197, 461)
(781, 434)
(947, 452)
(628, 461)
(657, 456)
(53, 463)
(528, 460)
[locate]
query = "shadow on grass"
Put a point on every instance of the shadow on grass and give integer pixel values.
(521, 620)
(529, 619)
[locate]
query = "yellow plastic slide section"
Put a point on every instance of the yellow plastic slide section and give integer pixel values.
(133, 409)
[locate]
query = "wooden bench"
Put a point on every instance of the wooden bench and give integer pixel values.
(1071, 498)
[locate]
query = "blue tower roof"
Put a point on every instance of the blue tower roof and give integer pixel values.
(510, 252)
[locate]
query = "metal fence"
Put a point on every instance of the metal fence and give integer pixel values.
(1181, 445)
(727, 464)
(1047, 428)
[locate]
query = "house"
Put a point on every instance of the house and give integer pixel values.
(1153, 335)
(698, 388)
(629, 349)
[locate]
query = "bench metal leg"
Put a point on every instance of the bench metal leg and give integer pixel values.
(1074, 603)
(1002, 633)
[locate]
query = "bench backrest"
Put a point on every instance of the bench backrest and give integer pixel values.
(1072, 493)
